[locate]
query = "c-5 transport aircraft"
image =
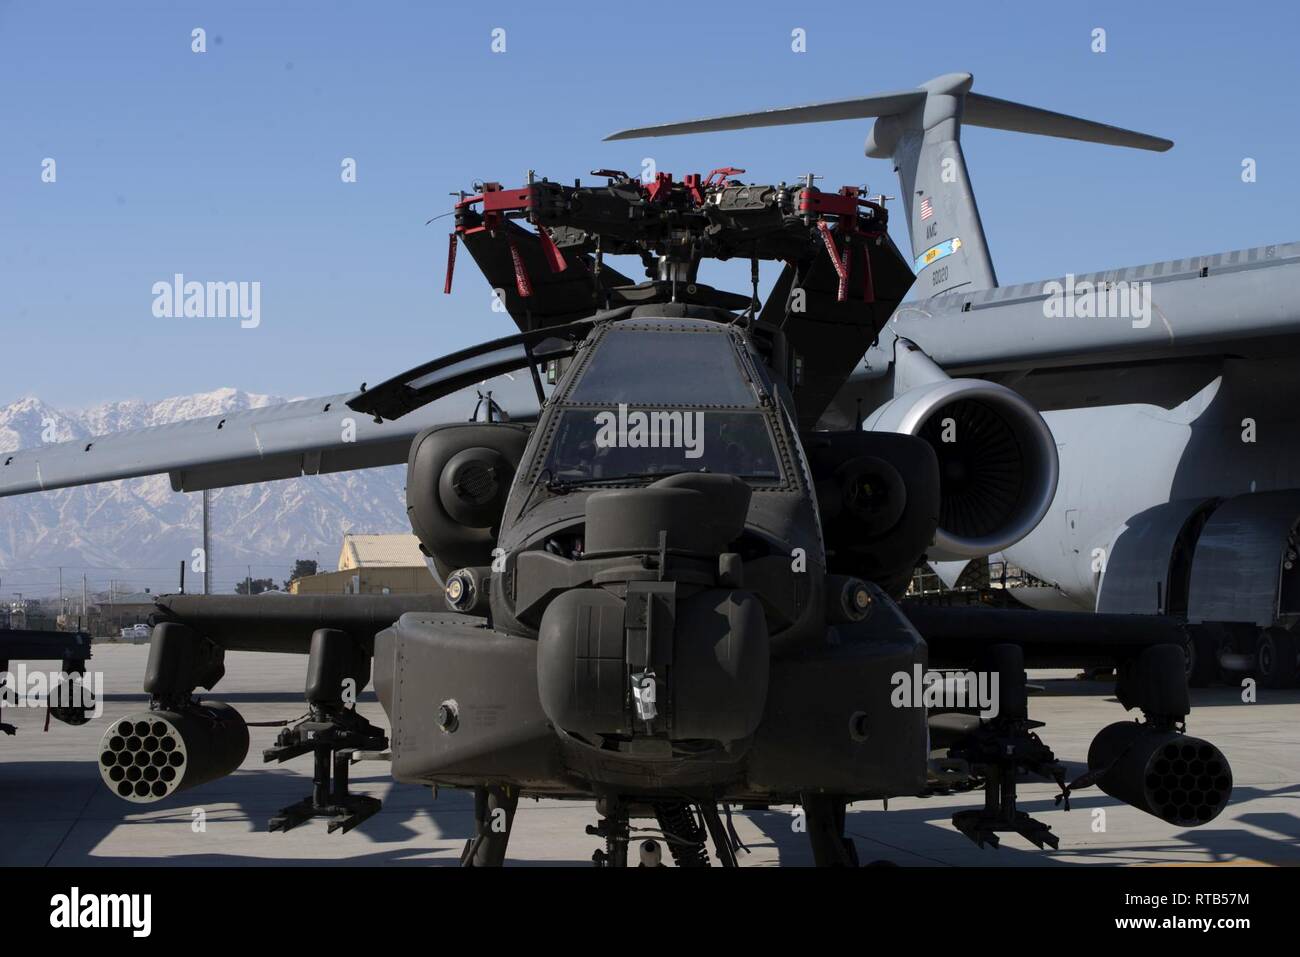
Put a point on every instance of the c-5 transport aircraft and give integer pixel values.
(1171, 389)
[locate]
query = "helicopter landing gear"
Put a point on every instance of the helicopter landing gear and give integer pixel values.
(682, 833)
(825, 817)
(494, 815)
(616, 831)
(687, 828)
(652, 853)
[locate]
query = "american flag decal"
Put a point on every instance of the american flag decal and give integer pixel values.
(926, 209)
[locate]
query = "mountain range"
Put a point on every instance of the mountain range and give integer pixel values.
(135, 533)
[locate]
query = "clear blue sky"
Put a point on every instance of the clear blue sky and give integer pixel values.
(225, 165)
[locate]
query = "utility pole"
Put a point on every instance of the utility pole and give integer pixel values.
(60, 589)
(207, 544)
(250, 581)
(84, 613)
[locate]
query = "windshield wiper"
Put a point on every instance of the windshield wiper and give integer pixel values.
(564, 486)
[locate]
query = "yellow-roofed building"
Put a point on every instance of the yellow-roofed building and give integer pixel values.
(373, 565)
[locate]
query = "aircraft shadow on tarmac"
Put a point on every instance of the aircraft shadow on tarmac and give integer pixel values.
(59, 813)
(1218, 696)
(261, 697)
(923, 836)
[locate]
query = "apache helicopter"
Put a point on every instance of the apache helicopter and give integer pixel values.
(665, 587)
(1180, 483)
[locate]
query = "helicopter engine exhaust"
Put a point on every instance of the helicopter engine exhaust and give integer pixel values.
(1180, 779)
(997, 461)
(152, 755)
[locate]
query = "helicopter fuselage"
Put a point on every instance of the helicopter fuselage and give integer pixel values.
(659, 616)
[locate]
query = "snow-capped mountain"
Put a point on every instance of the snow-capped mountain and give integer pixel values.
(138, 531)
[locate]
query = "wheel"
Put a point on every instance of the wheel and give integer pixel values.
(825, 817)
(1275, 663)
(1203, 647)
(494, 814)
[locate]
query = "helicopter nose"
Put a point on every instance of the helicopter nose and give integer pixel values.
(652, 667)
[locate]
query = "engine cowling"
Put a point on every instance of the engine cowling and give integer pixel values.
(997, 461)
(457, 481)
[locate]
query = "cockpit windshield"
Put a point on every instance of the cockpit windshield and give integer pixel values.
(664, 368)
(644, 443)
(660, 401)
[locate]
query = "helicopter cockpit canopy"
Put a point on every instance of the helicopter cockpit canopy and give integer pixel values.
(643, 406)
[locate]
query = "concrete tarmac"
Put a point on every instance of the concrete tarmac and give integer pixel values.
(55, 810)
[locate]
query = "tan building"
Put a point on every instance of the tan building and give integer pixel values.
(373, 565)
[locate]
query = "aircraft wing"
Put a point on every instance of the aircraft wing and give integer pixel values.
(1241, 303)
(1166, 330)
(304, 437)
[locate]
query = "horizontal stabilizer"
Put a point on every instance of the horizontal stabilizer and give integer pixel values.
(859, 108)
(920, 131)
(995, 114)
(980, 110)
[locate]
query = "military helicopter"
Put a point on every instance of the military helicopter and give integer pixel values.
(664, 587)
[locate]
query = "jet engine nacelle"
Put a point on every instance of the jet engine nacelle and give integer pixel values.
(997, 461)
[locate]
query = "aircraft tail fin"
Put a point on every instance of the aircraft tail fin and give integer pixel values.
(920, 130)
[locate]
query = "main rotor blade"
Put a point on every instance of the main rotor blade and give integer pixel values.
(432, 380)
